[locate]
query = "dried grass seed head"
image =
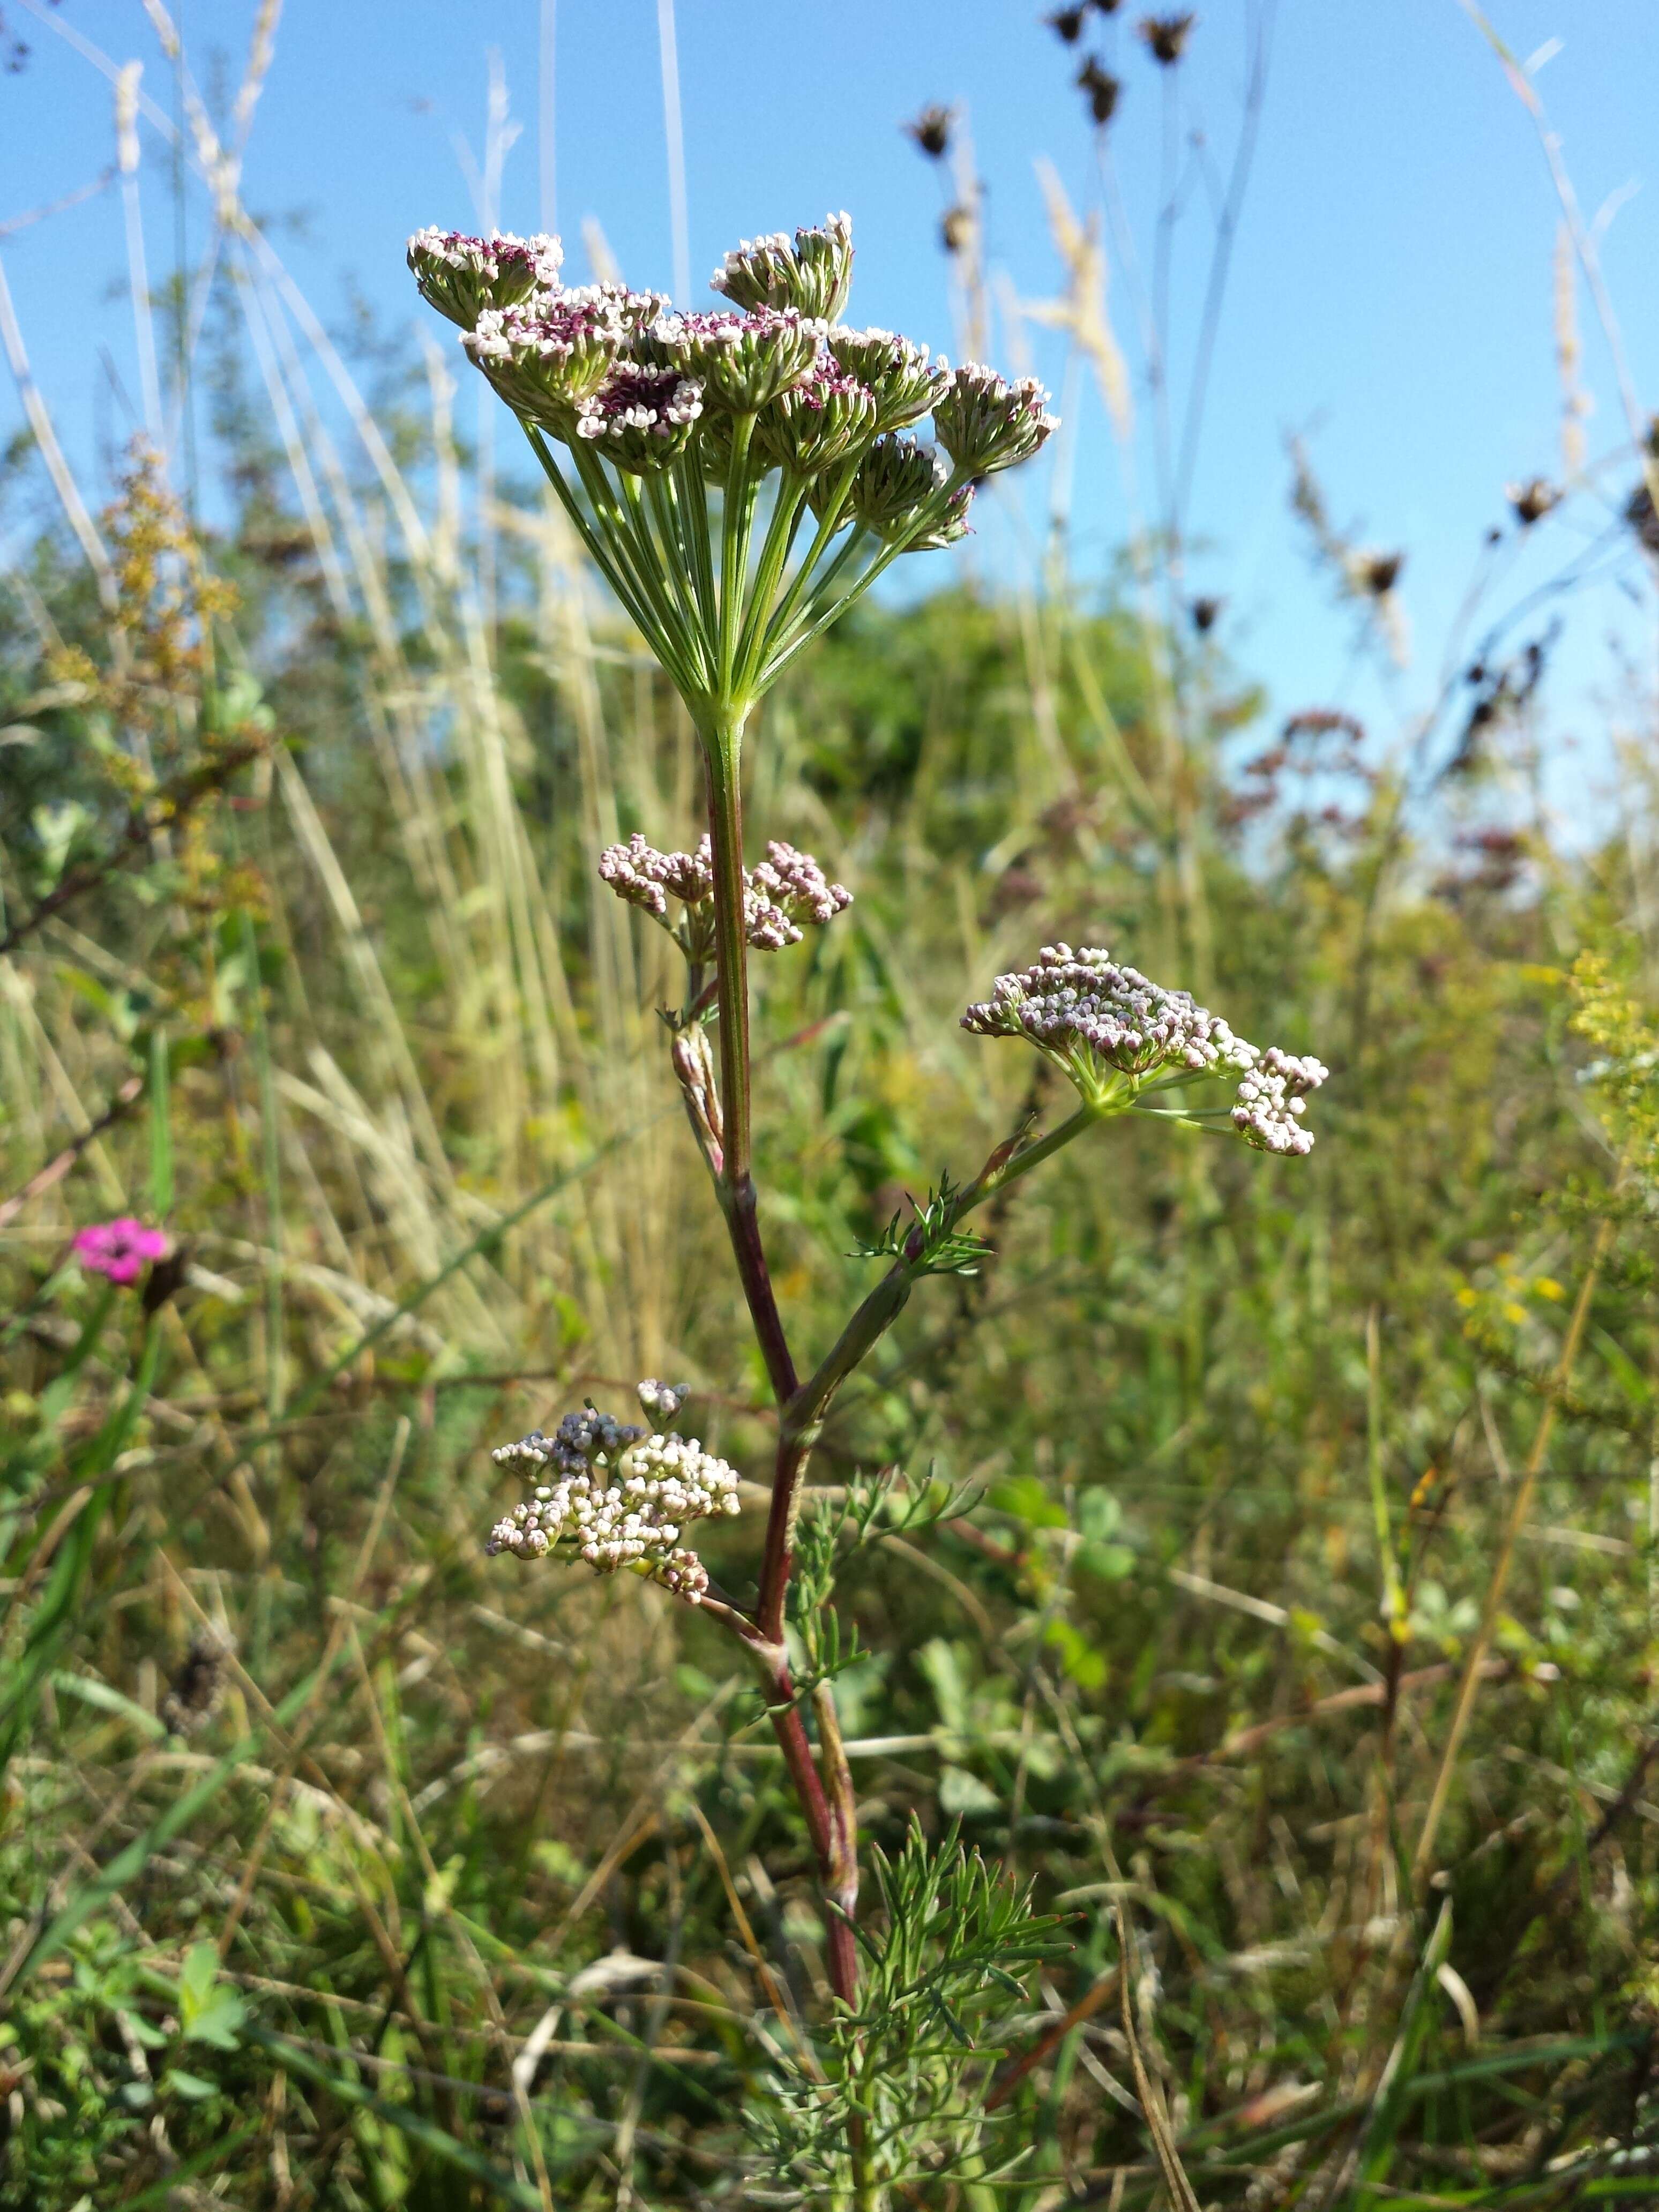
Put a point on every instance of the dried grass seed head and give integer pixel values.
(931, 130)
(1532, 500)
(1166, 36)
(1103, 90)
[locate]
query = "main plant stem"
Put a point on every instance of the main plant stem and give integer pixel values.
(722, 752)
(826, 1795)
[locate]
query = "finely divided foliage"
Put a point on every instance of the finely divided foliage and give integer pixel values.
(741, 478)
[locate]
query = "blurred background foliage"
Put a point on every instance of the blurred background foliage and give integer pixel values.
(1303, 1591)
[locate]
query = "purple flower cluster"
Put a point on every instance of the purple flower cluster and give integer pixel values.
(640, 417)
(785, 890)
(1113, 1030)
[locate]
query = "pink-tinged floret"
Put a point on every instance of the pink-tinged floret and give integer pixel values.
(120, 1249)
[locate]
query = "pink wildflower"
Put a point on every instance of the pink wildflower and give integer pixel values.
(120, 1249)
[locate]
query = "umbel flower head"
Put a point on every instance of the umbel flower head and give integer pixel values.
(460, 277)
(641, 418)
(616, 1495)
(787, 891)
(817, 424)
(813, 275)
(1118, 1035)
(750, 426)
(985, 424)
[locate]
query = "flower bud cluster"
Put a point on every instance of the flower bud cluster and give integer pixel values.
(985, 424)
(898, 375)
(462, 276)
(743, 361)
(616, 1496)
(785, 890)
(813, 275)
(817, 424)
(662, 1401)
(1270, 1104)
(1103, 1022)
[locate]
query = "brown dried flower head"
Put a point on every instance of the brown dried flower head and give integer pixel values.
(932, 131)
(1166, 36)
(1102, 89)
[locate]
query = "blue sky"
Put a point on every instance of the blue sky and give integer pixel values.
(1391, 288)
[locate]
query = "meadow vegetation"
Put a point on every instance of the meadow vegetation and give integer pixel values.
(1240, 1591)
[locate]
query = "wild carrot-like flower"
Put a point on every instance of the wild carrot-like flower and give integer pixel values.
(120, 1249)
(817, 424)
(897, 480)
(771, 401)
(641, 418)
(1118, 1036)
(743, 362)
(616, 1496)
(740, 479)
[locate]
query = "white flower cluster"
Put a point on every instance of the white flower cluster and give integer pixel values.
(1091, 1015)
(615, 373)
(785, 890)
(642, 415)
(619, 1498)
(1084, 1001)
(788, 888)
(1271, 1102)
